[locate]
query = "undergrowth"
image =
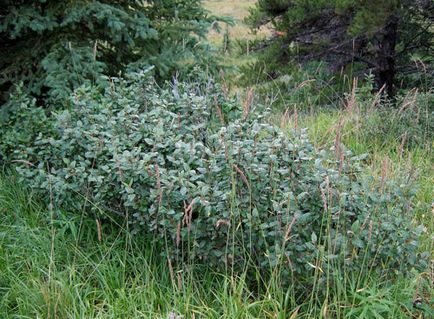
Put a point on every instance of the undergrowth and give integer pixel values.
(58, 266)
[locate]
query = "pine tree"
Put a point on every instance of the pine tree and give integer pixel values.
(54, 46)
(381, 35)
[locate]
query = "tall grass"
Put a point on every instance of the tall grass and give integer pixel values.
(61, 266)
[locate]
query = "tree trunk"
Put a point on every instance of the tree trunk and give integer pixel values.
(384, 43)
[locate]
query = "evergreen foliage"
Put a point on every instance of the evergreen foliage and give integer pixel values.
(55, 46)
(380, 36)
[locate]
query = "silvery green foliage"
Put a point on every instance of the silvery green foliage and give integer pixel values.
(225, 188)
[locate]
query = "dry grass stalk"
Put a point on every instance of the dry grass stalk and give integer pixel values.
(371, 224)
(24, 162)
(284, 119)
(225, 86)
(244, 178)
(178, 234)
(171, 272)
(219, 111)
(304, 83)
(295, 116)
(325, 313)
(402, 144)
(188, 214)
(409, 101)
(324, 199)
(351, 101)
(328, 187)
(384, 169)
(341, 162)
(288, 230)
(98, 228)
(248, 103)
(377, 98)
(223, 222)
(337, 144)
(326, 196)
(339, 152)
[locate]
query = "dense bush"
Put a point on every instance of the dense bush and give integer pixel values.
(221, 186)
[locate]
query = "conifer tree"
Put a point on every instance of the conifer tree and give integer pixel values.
(54, 46)
(381, 35)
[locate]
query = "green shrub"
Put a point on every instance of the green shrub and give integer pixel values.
(21, 122)
(222, 187)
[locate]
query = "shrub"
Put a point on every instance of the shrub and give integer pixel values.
(21, 122)
(223, 187)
